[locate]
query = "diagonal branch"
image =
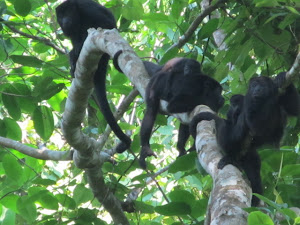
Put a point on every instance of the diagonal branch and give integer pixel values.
(46, 41)
(294, 71)
(187, 35)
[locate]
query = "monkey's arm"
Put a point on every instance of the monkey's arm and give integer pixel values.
(152, 107)
(152, 68)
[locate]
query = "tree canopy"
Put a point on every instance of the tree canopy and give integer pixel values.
(41, 180)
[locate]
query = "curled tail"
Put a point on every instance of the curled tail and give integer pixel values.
(100, 89)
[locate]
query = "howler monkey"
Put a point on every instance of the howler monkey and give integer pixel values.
(181, 83)
(253, 120)
(74, 18)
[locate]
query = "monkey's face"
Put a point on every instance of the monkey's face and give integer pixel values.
(261, 88)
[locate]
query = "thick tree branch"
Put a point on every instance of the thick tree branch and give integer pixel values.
(105, 196)
(86, 156)
(230, 193)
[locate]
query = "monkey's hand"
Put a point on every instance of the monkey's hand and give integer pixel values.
(145, 152)
(197, 119)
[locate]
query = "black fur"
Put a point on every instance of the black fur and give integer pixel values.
(75, 17)
(253, 120)
(181, 83)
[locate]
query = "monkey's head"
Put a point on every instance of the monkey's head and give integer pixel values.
(68, 17)
(214, 99)
(182, 65)
(210, 91)
(262, 88)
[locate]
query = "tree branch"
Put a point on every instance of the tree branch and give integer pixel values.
(46, 41)
(294, 71)
(190, 31)
(44, 154)
(85, 155)
(230, 193)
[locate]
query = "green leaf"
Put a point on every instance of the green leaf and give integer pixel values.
(22, 98)
(27, 209)
(265, 3)
(45, 182)
(119, 89)
(66, 201)
(259, 218)
(293, 10)
(3, 131)
(48, 201)
(3, 53)
(159, 18)
(12, 106)
(22, 7)
(82, 194)
(30, 61)
(183, 163)
(199, 208)
(208, 28)
(182, 196)
(134, 10)
(291, 170)
(177, 7)
(45, 88)
(43, 121)
(10, 202)
(3, 8)
(143, 207)
(288, 212)
(13, 130)
(173, 209)
(40, 47)
(13, 169)
(8, 217)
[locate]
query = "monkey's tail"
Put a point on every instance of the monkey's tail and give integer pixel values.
(100, 89)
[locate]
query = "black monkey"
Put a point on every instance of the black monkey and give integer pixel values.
(74, 18)
(181, 83)
(253, 120)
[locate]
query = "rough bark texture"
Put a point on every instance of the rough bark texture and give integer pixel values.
(230, 192)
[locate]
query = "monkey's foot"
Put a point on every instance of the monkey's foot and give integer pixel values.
(227, 160)
(182, 153)
(255, 201)
(145, 152)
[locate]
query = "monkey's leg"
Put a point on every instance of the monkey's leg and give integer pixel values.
(183, 136)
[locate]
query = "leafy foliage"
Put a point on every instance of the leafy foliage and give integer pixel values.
(261, 37)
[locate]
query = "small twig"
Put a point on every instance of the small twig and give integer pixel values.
(46, 41)
(44, 154)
